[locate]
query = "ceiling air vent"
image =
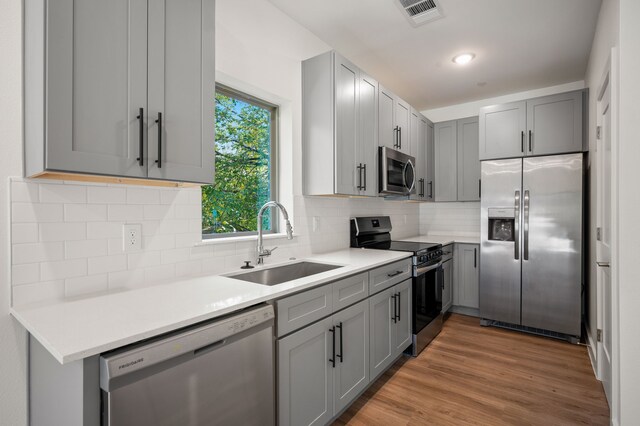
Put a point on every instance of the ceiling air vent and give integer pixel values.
(421, 11)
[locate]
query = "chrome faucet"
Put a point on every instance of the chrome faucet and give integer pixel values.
(260, 250)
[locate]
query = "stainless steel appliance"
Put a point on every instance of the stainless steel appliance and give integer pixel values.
(218, 373)
(427, 281)
(396, 172)
(532, 244)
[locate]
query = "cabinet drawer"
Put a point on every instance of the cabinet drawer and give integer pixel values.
(304, 308)
(388, 275)
(350, 290)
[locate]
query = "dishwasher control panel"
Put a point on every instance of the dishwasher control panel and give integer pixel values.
(195, 339)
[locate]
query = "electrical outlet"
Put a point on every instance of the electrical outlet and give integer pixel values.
(132, 237)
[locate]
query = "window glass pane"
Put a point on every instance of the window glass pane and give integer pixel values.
(243, 168)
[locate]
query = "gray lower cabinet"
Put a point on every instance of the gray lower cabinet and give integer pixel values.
(541, 126)
(390, 326)
(446, 188)
(468, 161)
(322, 368)
(97, 76)
(340, 135)
(305, 377)
(467, 281)
(447, 285)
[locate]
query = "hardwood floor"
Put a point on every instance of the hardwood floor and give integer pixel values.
(473, 375)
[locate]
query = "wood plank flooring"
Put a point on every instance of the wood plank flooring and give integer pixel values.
(473, 375)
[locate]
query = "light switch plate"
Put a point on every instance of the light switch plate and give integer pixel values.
(132, 236)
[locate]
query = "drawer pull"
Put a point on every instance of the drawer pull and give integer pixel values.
(393, 274)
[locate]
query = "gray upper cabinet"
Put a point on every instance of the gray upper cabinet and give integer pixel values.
(340, 127)
(468, 161)
(418, 146)
(541, 126)
(393, 121)
(446, 161)
(92, 67)
(554, 124)
(502, 129)
(430, 163)
(182, 90)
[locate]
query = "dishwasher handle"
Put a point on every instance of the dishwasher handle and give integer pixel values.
(192, 341)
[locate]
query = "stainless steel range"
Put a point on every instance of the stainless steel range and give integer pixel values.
(375, 233)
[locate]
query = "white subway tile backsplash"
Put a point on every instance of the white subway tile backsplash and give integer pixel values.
(85, 212)
(143, 259)
(50, 249)
(107, 195)
(85, 249)
(25, 274)
(125, 212)
(50, 271)
(24, 233)
(100, 230)
(24, 192)
(34, 212)
(74, 287)
(143, 196)
(100, 265)
(62, 231)
(37, 252)
(63, 193)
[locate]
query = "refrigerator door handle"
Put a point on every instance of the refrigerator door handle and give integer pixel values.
(526, 226)
(516, 203)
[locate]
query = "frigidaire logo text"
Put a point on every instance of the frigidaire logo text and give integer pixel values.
(129, 364)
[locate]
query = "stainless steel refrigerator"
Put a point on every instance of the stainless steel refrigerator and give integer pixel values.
(532, 242)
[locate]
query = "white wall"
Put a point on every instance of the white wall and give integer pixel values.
(469, 109)
(13, 402)
(606, 36)
(628, 207)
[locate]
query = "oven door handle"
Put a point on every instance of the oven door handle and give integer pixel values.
(421, 271)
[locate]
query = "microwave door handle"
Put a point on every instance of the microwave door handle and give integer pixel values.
(404, 176)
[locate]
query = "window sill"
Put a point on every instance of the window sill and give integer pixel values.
(229, 240)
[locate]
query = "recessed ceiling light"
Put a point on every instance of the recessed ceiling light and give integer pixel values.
(464, 58)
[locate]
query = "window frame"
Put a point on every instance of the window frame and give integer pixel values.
(274, 159)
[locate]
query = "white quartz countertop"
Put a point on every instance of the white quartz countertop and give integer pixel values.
(77, 329)
(445, 239)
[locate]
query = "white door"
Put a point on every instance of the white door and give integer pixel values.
(603, 235)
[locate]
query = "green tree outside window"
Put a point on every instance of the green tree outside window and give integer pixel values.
(243, 167)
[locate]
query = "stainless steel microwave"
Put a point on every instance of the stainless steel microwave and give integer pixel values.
(396, 172)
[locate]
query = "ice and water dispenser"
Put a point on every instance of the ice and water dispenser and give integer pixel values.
(502, 224)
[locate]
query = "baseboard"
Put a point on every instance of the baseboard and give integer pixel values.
(472, 312)
(592, 349)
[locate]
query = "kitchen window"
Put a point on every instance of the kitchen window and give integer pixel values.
(246, 153)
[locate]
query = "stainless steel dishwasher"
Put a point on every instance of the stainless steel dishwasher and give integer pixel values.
(217, 373)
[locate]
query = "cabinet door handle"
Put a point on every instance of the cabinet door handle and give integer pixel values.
(359, 168)
(400, 138)
(332, 360)
(159, 121)
(341, 356)
(395, 134)
(522, 141)
(529, 140)
(393, 274)
(479, 188)
(395, 315)
(364, 171)
(475, 257)
(431, 189)
(398, 310)
(140, 118)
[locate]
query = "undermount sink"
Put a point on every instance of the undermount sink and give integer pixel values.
(282, 274)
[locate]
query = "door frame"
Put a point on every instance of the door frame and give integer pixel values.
(610, 78)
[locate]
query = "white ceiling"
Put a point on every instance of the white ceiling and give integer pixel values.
(519, 44)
